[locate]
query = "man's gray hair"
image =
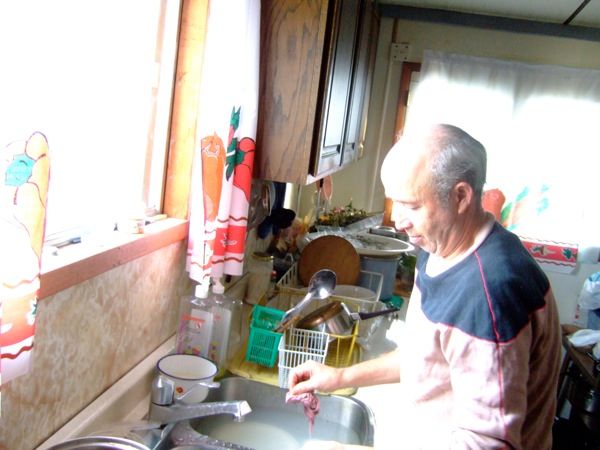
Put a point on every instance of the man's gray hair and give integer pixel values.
(456, 156)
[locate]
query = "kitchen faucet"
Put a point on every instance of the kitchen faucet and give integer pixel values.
(165, 408)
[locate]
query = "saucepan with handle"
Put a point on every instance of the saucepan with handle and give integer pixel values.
(336, 318)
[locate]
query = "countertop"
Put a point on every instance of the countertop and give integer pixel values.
(128, 399)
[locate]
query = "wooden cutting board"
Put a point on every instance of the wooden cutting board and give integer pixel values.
(329, 252)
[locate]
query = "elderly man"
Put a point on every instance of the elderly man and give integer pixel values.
(481, 366)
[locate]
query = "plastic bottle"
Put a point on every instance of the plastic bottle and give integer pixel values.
(219, 341)
(195, 323)
(226, 337)
(235, 335)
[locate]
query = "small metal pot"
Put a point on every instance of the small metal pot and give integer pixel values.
(329, 318)
(335, 318)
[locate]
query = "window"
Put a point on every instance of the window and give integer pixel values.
(538, 123)
(97, 79)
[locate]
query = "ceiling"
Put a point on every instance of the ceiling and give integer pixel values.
(548, 11)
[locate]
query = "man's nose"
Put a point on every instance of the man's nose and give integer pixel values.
(400, 220)
(401, 223)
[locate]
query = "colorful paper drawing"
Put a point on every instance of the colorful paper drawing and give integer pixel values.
(25, 170)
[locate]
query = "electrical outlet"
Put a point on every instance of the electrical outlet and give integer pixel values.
(400, 51)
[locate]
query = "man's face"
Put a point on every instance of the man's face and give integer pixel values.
(418, 212)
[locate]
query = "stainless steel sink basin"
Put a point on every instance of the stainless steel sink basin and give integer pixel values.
(273, 424)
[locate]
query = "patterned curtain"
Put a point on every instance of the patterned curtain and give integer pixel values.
(225, 140)
(25, 169)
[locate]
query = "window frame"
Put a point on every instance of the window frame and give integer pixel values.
(408, 68)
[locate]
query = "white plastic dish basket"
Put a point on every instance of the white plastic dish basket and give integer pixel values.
(298, 346)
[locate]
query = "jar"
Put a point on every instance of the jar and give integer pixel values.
(259, 276)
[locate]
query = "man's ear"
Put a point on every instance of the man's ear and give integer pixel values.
(463, 195)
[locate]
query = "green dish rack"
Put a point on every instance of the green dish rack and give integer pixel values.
(263, 342)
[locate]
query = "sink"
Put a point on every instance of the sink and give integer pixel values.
(273, 424)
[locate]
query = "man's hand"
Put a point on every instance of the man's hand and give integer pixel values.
(312, 376)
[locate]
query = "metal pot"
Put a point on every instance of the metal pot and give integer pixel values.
(335, 318)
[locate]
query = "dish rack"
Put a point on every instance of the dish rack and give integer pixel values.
(290, 292)
(296, 346)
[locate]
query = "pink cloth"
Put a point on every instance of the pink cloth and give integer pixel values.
(311, 406)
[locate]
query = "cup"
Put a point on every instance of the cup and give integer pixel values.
(191, 375)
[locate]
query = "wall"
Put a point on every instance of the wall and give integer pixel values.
(360, 182)
(87, 337)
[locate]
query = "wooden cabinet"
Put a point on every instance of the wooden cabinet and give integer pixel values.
(366, 48)
(316, 62)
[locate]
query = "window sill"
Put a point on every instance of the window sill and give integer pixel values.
(77, 263)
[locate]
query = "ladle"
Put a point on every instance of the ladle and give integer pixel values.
(320, 286)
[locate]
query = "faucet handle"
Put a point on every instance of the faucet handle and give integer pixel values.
(163, 390)
(198, 385)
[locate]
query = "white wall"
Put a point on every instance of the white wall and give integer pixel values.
(360, 182)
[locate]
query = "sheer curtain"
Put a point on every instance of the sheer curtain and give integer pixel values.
(539, 124)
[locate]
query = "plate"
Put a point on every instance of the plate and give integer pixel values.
(367, 244)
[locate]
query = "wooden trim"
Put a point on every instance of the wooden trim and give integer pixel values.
(80, 266)
(408, 68)
(185, 107)
(490, 22)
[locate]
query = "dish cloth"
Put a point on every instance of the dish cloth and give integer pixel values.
(311, 406)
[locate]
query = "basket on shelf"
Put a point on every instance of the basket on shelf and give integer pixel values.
(263, 342)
